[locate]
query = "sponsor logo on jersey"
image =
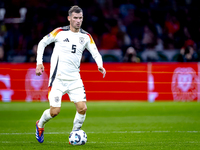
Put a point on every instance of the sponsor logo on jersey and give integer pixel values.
(66, 40)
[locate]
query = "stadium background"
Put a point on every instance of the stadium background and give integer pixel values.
(150, 48)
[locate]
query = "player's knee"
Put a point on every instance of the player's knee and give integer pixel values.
(82, 110)
(54, 112)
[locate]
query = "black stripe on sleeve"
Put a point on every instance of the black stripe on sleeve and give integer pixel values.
(54, 73)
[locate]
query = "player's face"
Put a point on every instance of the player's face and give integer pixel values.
(75, 20)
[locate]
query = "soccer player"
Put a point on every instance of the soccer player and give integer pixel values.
(70, 42)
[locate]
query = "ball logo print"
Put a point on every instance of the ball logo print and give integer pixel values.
(184, 84)
(77, 137)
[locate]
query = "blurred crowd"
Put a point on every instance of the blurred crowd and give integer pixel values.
(124, 31)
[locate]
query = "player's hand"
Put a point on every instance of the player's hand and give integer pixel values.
(39, 69)
(102, 70)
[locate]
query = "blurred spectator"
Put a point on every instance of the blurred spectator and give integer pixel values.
(125, 7)
(147, 25)
(150, 55)
(189, 42)
(31, 57)
(169, 43)
(123, 38)
(160, 45)
(197, 38)
(149, 38)
(137, 44)
(171, 28)
(2, 54)
(131, 56)
(15, 40)
(134, 24)
(32, 53)
(187, 54)
(3, 33)
(109, 39)
(172, 25)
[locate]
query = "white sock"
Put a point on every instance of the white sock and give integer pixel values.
(78, 121)
(44, 118)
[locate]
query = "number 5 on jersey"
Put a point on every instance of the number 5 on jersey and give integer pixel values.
(73, 49)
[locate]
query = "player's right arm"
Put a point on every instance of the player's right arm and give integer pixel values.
(40, 49)
(39, 69)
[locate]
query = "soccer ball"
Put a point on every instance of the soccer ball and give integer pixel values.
(77, 137)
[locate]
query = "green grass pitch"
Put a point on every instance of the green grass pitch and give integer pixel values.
(109, 126)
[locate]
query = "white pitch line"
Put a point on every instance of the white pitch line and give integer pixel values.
(27, 133)
(55, 142)
(25, 142)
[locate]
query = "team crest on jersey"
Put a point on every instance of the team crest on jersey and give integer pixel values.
(184, 84)
(81, 40)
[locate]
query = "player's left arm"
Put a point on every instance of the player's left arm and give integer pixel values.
(91, 46)
(102, 70)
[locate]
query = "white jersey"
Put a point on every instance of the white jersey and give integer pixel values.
(67, 53)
